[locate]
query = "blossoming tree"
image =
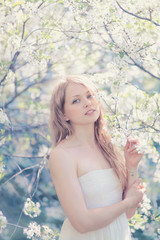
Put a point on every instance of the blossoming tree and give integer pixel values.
(116, 44)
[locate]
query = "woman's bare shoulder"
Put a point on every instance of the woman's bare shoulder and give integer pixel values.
(57, 152)
(63, 154)
(62, 147)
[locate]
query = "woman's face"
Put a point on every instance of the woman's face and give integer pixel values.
(78, 101)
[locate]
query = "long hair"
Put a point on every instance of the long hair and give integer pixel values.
(60, 128)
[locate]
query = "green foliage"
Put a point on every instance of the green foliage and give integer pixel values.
(18, 3)
(139, 219)
(121, 54)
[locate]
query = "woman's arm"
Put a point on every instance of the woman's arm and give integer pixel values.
(132, 176)
(64, 175)
(132, 160)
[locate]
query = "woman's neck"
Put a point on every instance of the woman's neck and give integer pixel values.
(84, 136)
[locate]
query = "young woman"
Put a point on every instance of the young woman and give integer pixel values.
(97, 188)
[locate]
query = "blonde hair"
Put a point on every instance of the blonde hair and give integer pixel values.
(60, 128)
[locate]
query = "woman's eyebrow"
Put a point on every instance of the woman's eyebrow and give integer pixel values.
(79, 95)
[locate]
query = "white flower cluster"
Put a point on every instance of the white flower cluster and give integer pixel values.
(158, 230)
(124, 116)
(146, 205)
(95, 12)
(119, 138)
(36, 232)
(138, 222)
(33, 231)
(3, 222)
(143, 7)
(156, 177)
(14, 42)
(31, 209)
(1, 143)
(3, 120)
(2, 167)
(33, 56)
(47, 233)
(140, 219)
(10, 77)
(3, 117)
(31, 8)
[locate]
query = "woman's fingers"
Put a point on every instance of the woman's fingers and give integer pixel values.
(132, 148)
(130, 142)
(133, 140)
(133, 151)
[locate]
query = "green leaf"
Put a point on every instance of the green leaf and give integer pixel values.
(116, 82)
(107, 117)
(157, 218)
(121, 54)
(151, 95)
(9, 137)
(17, 3)
(2, 131)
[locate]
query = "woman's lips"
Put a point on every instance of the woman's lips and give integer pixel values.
(90, 112)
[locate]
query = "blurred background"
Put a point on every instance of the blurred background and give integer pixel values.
(116, 44)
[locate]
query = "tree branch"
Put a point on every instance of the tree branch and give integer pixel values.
(142, 18)
(21, 92)
(15, 225)
(21, 171)
(28, 127)
(11, 67)
(21, 156)
(134, 62)
(23, 29)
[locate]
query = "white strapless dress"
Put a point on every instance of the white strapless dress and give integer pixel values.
(100, 188)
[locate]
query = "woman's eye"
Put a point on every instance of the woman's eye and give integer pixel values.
(75, 100)
(90, 95)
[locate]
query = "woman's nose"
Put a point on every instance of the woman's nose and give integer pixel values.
(87, 102)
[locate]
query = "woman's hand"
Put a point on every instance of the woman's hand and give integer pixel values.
(134, 194)
(131, 154)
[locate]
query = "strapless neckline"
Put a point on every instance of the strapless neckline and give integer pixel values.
(95, 171)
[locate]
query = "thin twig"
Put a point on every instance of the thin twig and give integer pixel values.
(25, 179)
(22, 156)
(23, 29)
(142, 18)
(21, 92)
(15, 225)
(11, 66)
(21, 171)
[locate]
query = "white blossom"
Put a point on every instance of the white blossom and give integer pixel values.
(10, 77)
(3, 222)
(3, 117)
(36, 232)
(14, 42)
(33, 231)
(47, 233)
(146, 204)
(2, 166)
(32, 209)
